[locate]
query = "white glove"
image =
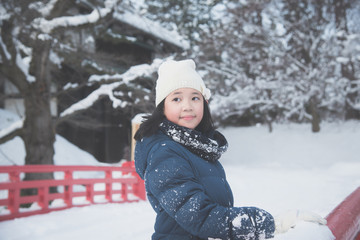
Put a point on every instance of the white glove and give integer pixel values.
(287, 220)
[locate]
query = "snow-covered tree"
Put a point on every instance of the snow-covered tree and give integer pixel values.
(313, 31)
(188, 17)
(244, 64)
(282, 60)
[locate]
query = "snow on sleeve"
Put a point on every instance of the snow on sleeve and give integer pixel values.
(237, 222)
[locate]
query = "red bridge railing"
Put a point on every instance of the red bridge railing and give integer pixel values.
(344, 220)
(110, 185)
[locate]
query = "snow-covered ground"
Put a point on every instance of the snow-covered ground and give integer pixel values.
(291, 168)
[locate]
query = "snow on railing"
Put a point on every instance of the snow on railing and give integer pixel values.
(115, 185)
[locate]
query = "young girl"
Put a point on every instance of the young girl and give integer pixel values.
(177, 153)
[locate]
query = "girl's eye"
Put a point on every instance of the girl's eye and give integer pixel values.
(196, 98)
(176, 99)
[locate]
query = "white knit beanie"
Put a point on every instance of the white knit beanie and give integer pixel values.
(173, 75)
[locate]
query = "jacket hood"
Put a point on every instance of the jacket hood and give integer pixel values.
(143, 149)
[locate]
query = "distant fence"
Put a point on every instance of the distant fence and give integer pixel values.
(110, 185)
(344, 220)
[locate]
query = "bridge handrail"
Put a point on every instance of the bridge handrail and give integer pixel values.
(122, 184)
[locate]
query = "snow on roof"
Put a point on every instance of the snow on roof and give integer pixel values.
(125, 16)
(152, 28)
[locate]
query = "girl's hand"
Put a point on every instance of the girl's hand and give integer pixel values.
(287, 220)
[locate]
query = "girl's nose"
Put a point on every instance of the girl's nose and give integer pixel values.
(187, 105)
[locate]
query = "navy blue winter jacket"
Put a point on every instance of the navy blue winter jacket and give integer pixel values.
(191, 196)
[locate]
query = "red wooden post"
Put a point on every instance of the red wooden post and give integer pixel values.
(14, 193)
(43, 193)
(90, 192)
(139, 187)
(124, 192)
(108, 185)
(68, 188)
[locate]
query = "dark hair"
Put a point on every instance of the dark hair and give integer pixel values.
(151, 123)
(206, 124)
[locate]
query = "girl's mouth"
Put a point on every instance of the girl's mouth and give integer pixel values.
(188, 118)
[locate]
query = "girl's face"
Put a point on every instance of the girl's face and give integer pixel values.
(184, 107)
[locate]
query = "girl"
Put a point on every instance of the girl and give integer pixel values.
(177, 154)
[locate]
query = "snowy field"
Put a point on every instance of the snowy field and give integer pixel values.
(291, 168)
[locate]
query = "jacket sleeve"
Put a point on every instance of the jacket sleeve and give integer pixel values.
(171, 180)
